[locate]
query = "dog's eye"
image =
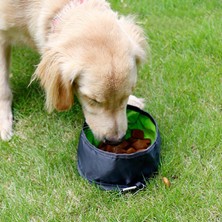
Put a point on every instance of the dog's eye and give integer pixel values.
(93, 102)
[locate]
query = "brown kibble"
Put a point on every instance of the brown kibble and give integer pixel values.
(131, 140)
(166, 182)
(148, 142)
(102, 146)
(130, 150)
(123, 145)
(120, 151)
(141, 144)
(109, 148)
(137, 134)
(131, 145)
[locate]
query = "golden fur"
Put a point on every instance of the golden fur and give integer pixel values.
(90, 51)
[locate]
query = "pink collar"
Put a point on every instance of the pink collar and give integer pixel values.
(59, 16)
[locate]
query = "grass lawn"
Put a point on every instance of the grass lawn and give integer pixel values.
(182, 86)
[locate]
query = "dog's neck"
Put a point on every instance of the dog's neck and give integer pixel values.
(59, 16)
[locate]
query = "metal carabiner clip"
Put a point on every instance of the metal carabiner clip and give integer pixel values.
(138, 187)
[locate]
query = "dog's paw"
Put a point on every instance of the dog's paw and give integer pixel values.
(138, 102)
(6, 127)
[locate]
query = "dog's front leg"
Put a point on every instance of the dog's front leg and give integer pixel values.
(5, 92)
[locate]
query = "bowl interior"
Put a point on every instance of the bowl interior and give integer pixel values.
(136, 120)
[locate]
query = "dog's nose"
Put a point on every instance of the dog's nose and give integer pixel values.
(113, 142)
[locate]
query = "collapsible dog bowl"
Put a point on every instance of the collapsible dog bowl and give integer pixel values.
(123, 172)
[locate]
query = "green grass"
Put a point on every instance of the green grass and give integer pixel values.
(182, 86)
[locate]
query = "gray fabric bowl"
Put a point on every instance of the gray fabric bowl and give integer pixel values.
(112, 171)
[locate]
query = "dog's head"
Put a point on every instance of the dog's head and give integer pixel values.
(98, 63)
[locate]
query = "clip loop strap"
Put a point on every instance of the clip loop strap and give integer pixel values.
(138, 187)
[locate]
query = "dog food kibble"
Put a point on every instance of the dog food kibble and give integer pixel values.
(137, 134)
(141, 144)
(109, 148)
(120, 151)
(166, 182)
(134, 144)
(131, 150)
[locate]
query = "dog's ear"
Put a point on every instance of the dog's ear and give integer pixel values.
(137, 36)
(58, 89)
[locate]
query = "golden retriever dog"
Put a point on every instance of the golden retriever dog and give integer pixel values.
(86, 49)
